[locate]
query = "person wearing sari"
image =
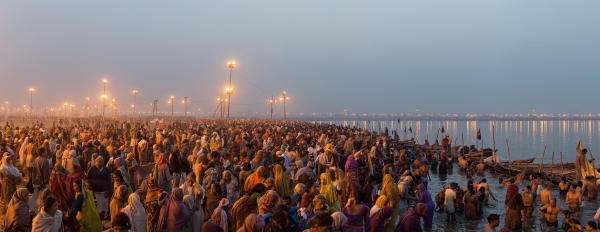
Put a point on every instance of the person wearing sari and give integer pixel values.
(210, 226)
(252, 223)
(18, 214)
(76, 173)
(411, 221)
(59, 186)
(471, 203)
(257, 162)
(173, 214)
(346, 188)
(390, 189)
(11, 177)
(339, 220)
(330, 193)
(49, 219)
(136, 213)
(282, 181)
(511, 191)
(213, 197)
(425, 198)
(162, 174)
(351, 166)
(84, 210)
(299, 190)
(246, 205)
(219, 216)
(230, 183)
(515, 210)
(353, 185)
(45, 193)
(155, 198)
(196, 220)
(377, 221)
(380, 203)
(267, 202)
(257, 177)
(118, 199)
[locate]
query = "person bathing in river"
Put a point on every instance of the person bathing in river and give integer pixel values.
(546, 195)
(550, 212)
(521, 176)
(573, 200)
(592, 188)
(462, 163)
(480, 168)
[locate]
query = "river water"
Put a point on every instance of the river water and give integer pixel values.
(536, 223)
(526, 139)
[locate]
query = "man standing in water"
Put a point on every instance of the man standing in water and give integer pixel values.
(592, 188)
(580, 161)
(550, 213)
(573, 200)
(546, 195)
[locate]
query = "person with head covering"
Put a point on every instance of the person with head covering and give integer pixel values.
(258, 161)
(84, 210)
(118, 199)
(60, 187)
(305, 174)
(390, 189)
(330, 193)
(425, 198)
(45, 193)
(319, 204)
(339, 221)
(246, 205)
(99, 176)
(252, 223)
(155, 198)
(299, 190)
(49, 219)
(282, 181)
(255, 178)
(377, 221)
(411, 221)
(132, 165)
(351, 166)
(162, 174)
(196, 220)
(230, 183)
(213, 198)
(219, 215)
(267, 202)
(380, 203)
(76, 173)
(210, 226)
(136, 213)
(11, 177)
(173, 214)
(18, 214)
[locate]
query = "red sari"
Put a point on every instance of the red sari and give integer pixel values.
(57, 185)
(512, 190)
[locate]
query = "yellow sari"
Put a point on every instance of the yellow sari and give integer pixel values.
(391, 191)
(282, 181)
(330, 193)
(257, 177)
(339, 175)
(88, 217)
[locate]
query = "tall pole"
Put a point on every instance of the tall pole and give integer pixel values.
(172, 98)
(230, 89)
(87, 107)
(103, 99)
(134, 98)
(185, 102)
(284, 99)
(272, 101)
(31, 102)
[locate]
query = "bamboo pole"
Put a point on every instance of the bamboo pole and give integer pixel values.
(543, 153)
(463, 143)
(482, 150)
(494, 149)
(562, 171)
(552, 167)
(508, 148)
(593, 162)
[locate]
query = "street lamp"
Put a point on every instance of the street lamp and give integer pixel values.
(87, 108)
(230, 89)
(185, 102)
(284, 99)
(31, 101)
(271, 101)
(103, 105)
(134, 97)
(171, 102)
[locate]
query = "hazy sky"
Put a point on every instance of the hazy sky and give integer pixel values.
(361, 56)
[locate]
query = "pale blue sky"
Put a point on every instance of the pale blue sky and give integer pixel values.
(376, 56)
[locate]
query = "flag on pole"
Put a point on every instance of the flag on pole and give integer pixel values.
(478, 134)
(410, 129)
(443, 130)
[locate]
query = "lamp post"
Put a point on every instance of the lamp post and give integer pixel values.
(171, 102)
(230, 89)
(72, 106)
(284, 99)
(271, 102)
(65, 110)
(134, 98)
(185, 102)
(103, 99)
(31, 102)
(87, 107)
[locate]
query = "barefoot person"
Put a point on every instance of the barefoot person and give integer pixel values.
(550, 213)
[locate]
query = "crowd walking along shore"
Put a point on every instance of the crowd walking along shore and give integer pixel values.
(268, 175)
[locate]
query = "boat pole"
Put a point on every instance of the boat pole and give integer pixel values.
(463, 143)
(593, 162)
(552, 167)
(543, 153)
(495, 159)
(508, 148)
(561, 165)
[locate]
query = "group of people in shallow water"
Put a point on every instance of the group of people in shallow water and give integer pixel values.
(244, 176)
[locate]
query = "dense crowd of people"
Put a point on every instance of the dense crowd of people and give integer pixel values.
(247, 176)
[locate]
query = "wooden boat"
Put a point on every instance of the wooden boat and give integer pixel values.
(525, 161)
(486, 153)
